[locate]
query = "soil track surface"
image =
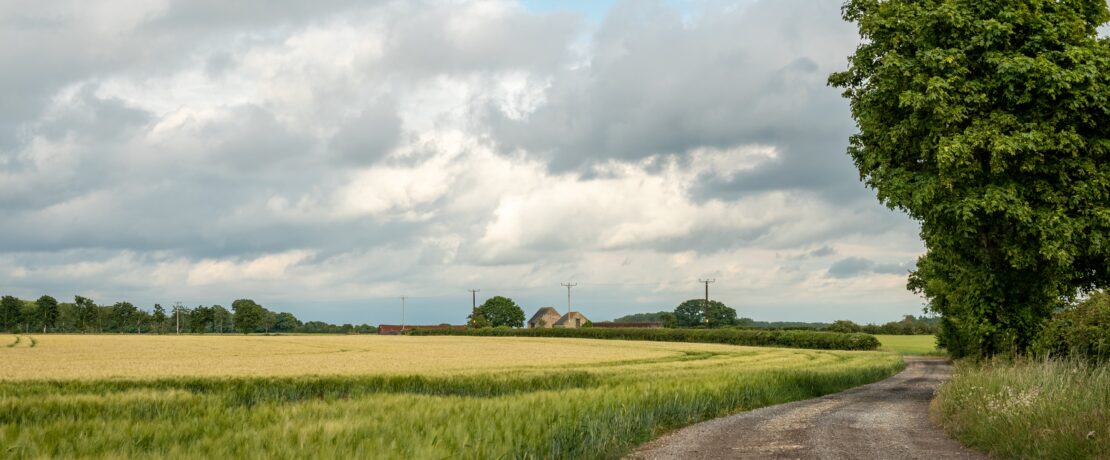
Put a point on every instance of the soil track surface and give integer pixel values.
(887, 419)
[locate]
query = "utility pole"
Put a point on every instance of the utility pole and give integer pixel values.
(402, 313)
(473, 300)
(177, 310)
(568, 285)
(706, 281)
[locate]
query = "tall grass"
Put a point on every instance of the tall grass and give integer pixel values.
(587, 410)
(759, 338)
(1029, 409)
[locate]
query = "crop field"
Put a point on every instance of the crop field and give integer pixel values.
(911, 344)
(388, 397)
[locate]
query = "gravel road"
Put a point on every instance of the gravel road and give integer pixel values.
(887, 420)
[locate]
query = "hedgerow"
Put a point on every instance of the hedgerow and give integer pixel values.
(759, 338)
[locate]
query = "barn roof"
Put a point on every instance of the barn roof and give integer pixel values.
(544, 313)
(570, 316)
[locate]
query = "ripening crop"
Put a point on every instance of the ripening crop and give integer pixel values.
(388, 397)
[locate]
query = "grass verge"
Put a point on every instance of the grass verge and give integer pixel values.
(1028, 409)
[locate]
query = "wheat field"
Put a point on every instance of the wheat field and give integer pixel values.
(387, 396)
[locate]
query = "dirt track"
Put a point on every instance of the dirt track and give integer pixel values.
(887, 419)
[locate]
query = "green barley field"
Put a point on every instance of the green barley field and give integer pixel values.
(911, 344)
(387, 397)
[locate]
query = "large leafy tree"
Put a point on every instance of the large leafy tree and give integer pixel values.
(988, 121)
(11, 313)
(497, 311)
(248, 315)
(88, 314)
(46, 309)
(691, 313)
(159, 318)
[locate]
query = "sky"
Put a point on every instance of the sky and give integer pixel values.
(326, 157)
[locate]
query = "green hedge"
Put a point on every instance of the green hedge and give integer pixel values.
(758, 338)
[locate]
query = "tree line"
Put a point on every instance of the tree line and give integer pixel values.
(83, 315)
(691, 313)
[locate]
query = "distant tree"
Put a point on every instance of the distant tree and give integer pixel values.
(123, 316)
(11, 314)
(200, 319)
(844, 325)
(286, 322)
(159, 318)
(221, 319)
(721, 315)
(501, 311)
(88, 314)
(657, 317)
(691, 313)
(269, 318)
(46, 309)
(248, 315)
(477, 321)
(668, 319)
(142, 321)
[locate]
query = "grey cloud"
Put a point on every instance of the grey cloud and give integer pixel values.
(657, 85)
(367, 137)
(857, 266)
(424, 44)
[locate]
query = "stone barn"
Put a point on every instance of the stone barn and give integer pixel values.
(544, 317)
(572, 320)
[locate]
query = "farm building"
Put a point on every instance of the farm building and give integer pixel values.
(544, 317)
(572, 320)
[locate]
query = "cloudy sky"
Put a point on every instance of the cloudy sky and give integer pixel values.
(325, 157)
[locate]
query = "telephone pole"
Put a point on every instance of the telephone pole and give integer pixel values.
(568, 285)
(402, 313)
(707, 281)
(177, 310)
(474, 300)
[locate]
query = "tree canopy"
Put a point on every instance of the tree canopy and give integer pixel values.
(248, 315)
(988, 121)
(691, 313)
(497, 311)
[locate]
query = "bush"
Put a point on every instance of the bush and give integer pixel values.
(757, 338)
(1081, 332)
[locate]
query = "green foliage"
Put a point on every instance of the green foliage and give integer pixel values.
(46, 309)
(11, 314)
(286, 322)
(159, 318)
(88, 314)
(792, 339)
(497, 311)
(691, 313)
(1079, 332)
(657, 317)
(248, 315)
(1028, 409)
(988, 122)
(844, 325)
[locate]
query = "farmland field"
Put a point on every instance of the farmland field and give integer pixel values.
(392, 397)
(911, 344)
